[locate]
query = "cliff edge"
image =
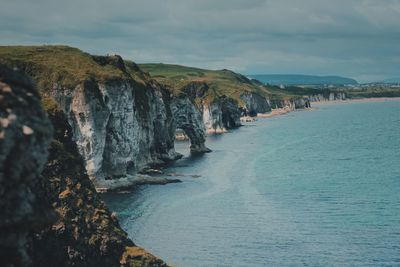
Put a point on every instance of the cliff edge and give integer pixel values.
(52, 215)
(122, 121)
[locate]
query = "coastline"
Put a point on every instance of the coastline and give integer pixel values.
(158, 177)
(285, 110)
(277, 112)
(357, 100)
(268, 196)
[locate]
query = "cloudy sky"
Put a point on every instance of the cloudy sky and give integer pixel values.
(355, 38)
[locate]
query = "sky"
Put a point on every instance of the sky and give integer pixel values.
(352, 38)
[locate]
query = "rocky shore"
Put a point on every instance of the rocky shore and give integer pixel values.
(52, 215)
(95, 124)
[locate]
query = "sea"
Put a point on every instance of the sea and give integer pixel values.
(317, 187)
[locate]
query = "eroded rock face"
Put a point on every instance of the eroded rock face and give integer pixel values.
(188, 118)
(255, 103)
(230, 112)
(330, 97)
(212, 118)
(52, 217)
(218, 115)
(86, 233)
(25, 133)
(195, 90)
(120, 127)
(300, 103)
(291, 104)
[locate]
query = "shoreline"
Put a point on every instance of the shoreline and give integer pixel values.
(285, 110)
(160, 178)
(277, 112)
(219, 190)
(357, 100)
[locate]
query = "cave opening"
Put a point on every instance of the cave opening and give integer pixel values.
(182, 142)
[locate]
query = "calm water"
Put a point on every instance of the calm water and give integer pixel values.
(310, 188)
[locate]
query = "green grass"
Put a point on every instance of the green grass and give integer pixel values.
(62, 64)
(220, 82)
(68, 67)
(378, 91)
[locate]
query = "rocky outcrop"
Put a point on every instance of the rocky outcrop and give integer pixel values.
(331, 96)
(255, 103)
(120, 127)
(121, 119)
(291, 104)
(86, 233)
(219, 114)
(230, 112)
(52, 217)
(188, 118)
(195, 90)
(212, 118)
(25, 133)
(301, 103)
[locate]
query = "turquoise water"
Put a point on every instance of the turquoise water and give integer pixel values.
(310, 188)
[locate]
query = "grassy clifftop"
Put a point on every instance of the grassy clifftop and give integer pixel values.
(220, 82)
(66, 65)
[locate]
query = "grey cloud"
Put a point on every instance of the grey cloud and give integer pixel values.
(357, 38)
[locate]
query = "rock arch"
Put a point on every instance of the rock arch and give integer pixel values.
(189, 119)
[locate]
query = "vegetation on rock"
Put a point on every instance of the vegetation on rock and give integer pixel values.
(85, 232)
(219, 82)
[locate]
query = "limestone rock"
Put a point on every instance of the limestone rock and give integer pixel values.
(255, 103)
(86, 233)
(188, 118)
(219, 114)
(120, 126)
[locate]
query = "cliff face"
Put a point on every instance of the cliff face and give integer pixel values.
(51, 216)
(331, 97)
(121, 119)
(25, 133)
(219, 114)
(85, 232)
(230, 112)
(301, 103)
(119, 128)
(305, 101)
(292, 104)
(188, 118)
(255, 103)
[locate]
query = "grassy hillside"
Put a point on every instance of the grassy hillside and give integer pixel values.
(295, 79)
(375, 91)
(221, 82)
(66, 65)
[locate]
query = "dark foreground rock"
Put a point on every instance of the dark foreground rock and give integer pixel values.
(85, 232)
(54, 217)
(121, 119)
(25, 133)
